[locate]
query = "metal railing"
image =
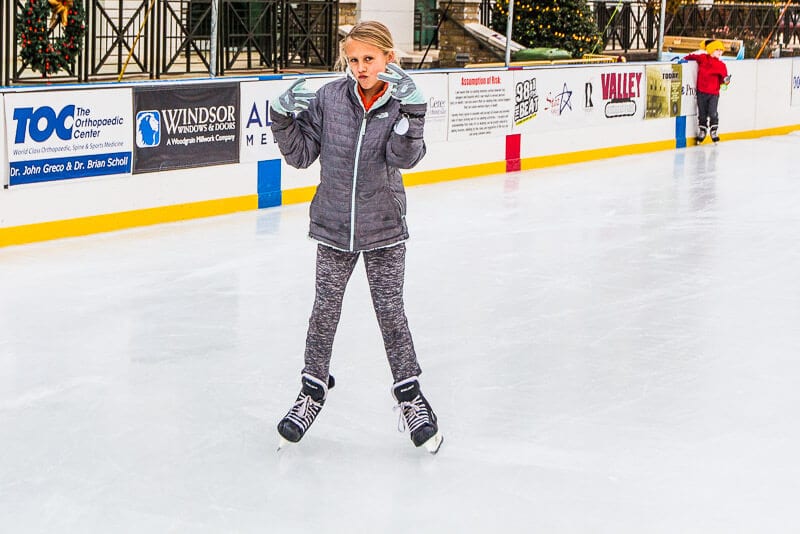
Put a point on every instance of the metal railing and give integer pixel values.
(633, 25)
(309, 33)
(753, 23)
(628, 25)
(176, 38)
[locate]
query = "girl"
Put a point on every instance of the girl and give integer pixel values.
(363, 127)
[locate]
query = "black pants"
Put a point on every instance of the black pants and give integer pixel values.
(707, 109)
(385, 274)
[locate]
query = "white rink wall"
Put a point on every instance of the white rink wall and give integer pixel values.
(156, 155)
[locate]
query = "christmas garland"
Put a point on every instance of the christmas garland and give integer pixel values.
(38, 49)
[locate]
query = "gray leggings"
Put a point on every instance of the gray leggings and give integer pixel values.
(385, 273)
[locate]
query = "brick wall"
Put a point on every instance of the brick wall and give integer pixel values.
(347, 13)
(456, 46)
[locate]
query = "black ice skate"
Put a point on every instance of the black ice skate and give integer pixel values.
(702, 131)
(309, 402)
(417, 415)
(714, 136)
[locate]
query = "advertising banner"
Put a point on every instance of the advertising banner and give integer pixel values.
(664, 91)
(483, 104)
(689, 88)
(795, 100)
(620, 91)
(434, 88)
(561, 103)
(67, 134)
(258, 144)
(548, 99)
(187, 125)
(257, 141)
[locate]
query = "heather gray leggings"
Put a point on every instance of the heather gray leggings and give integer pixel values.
(385, 273)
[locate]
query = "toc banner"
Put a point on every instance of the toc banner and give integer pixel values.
(69, 134)
(185, 126)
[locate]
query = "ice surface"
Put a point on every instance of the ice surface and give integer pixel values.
(610, 347)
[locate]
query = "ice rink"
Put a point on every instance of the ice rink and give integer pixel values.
(611, 347)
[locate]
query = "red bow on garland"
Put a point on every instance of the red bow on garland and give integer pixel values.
(60, 9)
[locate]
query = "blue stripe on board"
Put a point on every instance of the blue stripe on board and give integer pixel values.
(680, 131)
(269, 183)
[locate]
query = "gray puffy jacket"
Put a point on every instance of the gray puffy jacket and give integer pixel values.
(360, 203)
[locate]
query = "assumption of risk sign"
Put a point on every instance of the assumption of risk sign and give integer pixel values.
(481, 104)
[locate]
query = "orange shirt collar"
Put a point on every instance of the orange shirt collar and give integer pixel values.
(368, 103)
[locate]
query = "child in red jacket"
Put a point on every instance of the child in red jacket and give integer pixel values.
(711, 74)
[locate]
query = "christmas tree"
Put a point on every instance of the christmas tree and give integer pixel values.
(564, 24)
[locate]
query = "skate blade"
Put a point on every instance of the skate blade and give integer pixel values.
(283, 443)
(433, 444)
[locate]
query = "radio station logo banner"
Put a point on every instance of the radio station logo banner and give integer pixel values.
(63, 135)
(664, 91)
(185, 126)
(526, 100)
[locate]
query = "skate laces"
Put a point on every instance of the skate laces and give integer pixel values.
(304, 411)
(413, 414)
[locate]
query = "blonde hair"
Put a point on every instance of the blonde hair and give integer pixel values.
(370, 32)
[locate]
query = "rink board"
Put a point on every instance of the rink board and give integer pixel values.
(480, 122)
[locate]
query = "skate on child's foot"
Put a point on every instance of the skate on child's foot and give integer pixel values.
(294, 425)
(417, 415)
(714, 136)
(702, 131)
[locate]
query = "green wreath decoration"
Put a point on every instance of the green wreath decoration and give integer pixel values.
(41, 51)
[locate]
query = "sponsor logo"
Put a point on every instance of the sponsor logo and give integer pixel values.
(526, 101)
(148, 129)
(256, 118)
(437, 108)
(70, 122)
(621, 85)
(620, 88)
(560, 102)
(183, 121)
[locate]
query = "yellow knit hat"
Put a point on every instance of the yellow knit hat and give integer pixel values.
(715, 45)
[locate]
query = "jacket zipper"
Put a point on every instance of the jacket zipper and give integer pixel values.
(355, 183)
